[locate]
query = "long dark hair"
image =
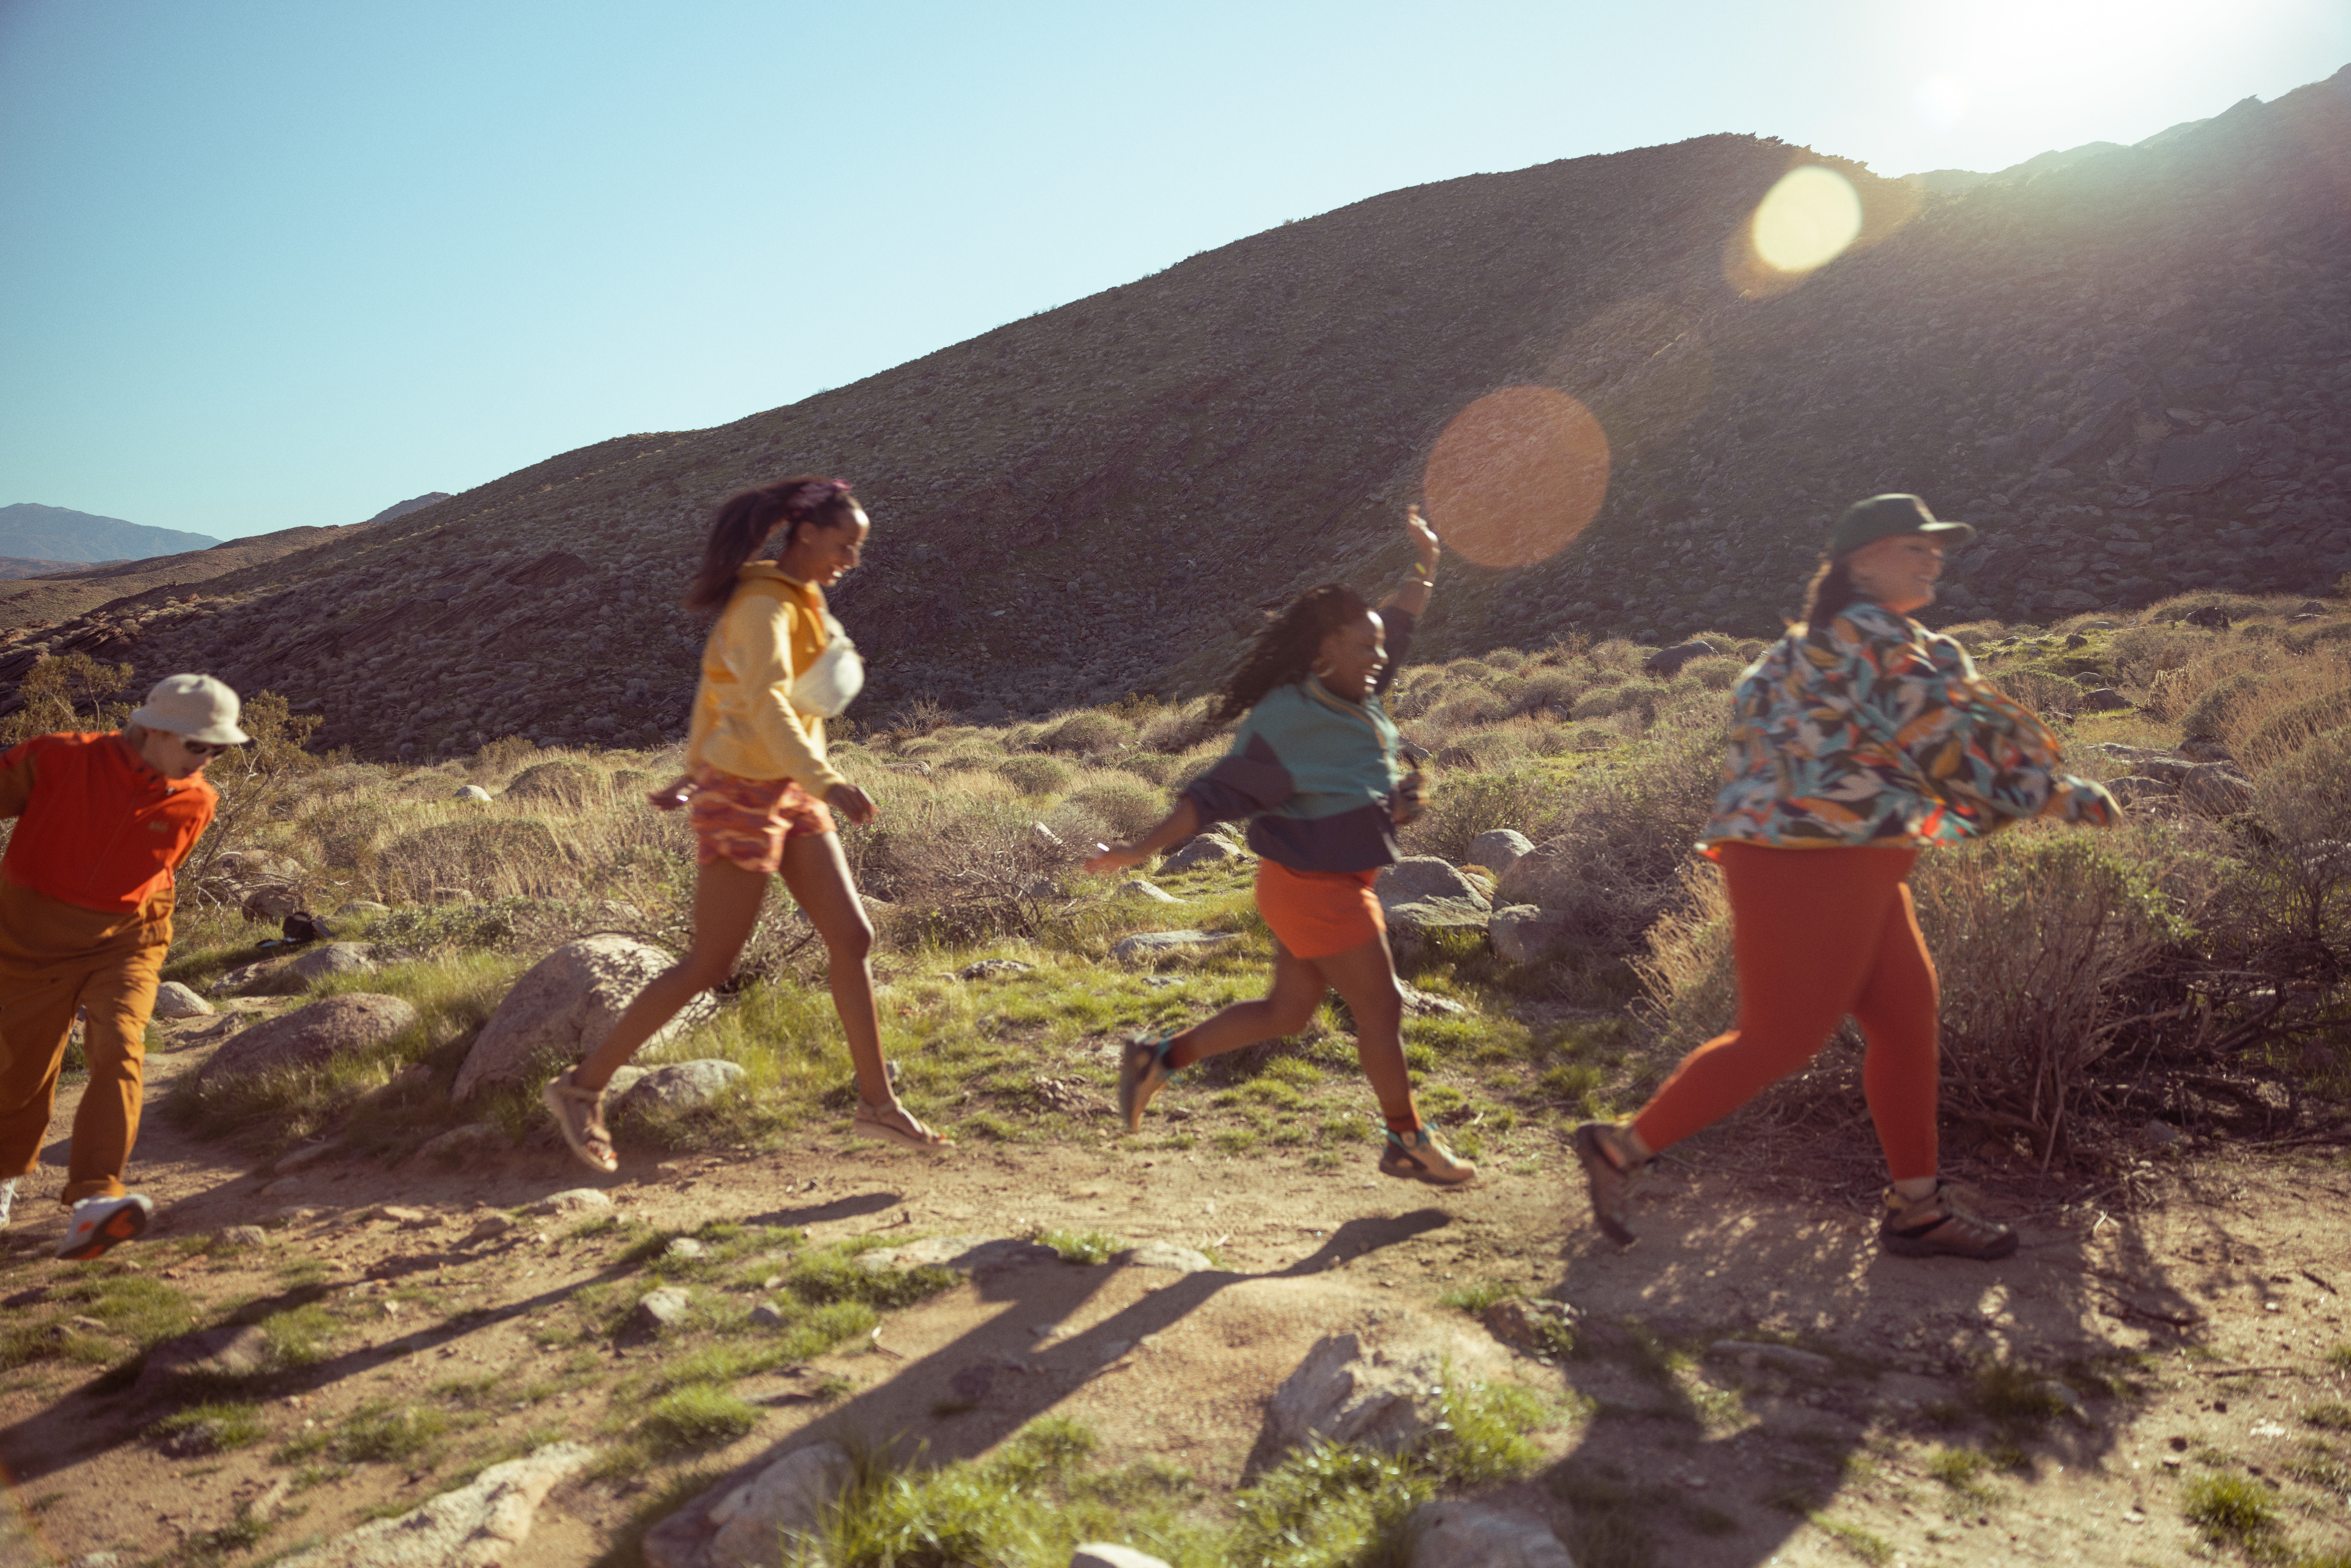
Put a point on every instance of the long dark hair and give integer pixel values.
(1831, 590)
(743, 523)
(1284, 651)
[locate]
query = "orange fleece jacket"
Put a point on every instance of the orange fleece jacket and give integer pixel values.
(96, 827)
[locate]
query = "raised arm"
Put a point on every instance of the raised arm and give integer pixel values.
(1403, 608)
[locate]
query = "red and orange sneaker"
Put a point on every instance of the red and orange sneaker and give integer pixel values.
(99, 1224)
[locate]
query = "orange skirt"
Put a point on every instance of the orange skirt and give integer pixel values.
(1319, 914)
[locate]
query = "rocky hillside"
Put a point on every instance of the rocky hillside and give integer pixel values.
(2129, 367)
(50, 607)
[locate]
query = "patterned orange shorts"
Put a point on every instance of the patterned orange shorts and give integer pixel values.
(746, 821)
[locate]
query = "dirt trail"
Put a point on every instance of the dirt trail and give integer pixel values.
(1715, 1459)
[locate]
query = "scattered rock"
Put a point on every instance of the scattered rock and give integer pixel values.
(406, 1219)
(1457, 1534)
(472, 792)
(2162, 1134)
(1425, 879)
(1165, 1255)
(2144, 762)
(745, 1519)
(768, 1315)
(1410, 923)
(352, 908)
(680, 1085)
(270, 903)
(222, 1355)
(1423, 1004)
(174, 1000)
(334, 959)
(267, 979)
(1499, 849)
(565, 1005)
(661, 1308)
(1524, 934)
(1537, 1324)
(1668, 662)
(572, 1200)
(1146, 945)
(308, 1036)
(1204, 849)
(1102, 1554)
(1150, 892)
(973, 1255)
(2204, 748)
(479, 1525)
(993, 969)
(489, 1228)
(2104, 699)
(1345, 1394)
(2209, 615)
(1783, 1357)
(468, 1141)
(2133, 789)
(684, 1249)
(2216, 788)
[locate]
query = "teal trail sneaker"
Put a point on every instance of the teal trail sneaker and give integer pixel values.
(1421, 1155)
(1142, 1073)
(1941, 1227)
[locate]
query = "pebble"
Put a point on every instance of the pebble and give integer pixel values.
(684, 1249)
(245, 1236)
(572, 1200)
(768, 1315)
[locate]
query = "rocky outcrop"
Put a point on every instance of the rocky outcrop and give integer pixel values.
(745, 1520)
(480, 1525)
(356, 1021)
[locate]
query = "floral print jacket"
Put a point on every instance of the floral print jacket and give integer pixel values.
(1879, 732)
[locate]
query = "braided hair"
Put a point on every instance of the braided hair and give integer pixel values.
(743, 523)
(1284, 653)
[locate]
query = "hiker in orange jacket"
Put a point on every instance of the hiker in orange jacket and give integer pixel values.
(86, 891)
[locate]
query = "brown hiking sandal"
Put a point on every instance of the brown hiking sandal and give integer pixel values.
(1609, 1167)
(1941, 1227)
(579, 1116)
(1421, 1155)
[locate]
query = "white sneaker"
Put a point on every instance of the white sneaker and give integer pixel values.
(7, 1199)
(101, 1222)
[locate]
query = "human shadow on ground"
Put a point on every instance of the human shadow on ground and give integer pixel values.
(1715, 1456)
(113, 1408)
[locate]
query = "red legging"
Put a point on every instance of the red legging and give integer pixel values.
(1818, 934)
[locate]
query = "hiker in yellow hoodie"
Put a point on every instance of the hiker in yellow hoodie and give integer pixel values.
(776, 667)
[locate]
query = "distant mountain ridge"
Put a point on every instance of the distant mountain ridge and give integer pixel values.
(29, 530)
(2131, 369)
(413, 504)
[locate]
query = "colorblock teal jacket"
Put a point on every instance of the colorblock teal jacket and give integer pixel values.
(1316, 775)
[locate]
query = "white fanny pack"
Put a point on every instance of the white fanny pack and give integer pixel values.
(829, 685)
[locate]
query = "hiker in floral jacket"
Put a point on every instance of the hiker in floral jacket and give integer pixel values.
(1861, 738)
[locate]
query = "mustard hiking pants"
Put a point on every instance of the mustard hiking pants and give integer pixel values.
(57, 958)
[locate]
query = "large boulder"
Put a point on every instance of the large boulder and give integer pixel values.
(1457, 1535)
(334, 959)
(1668, 662)
(1523, 933)
(1207, 849)
(338, 1026)
(565, 1005)
(1345, 1393)
(480, 1525)
(745, 1520)
(681, 1085)
(1499, 849)
(2216, 788)
(1421, 879)
(174, 1000)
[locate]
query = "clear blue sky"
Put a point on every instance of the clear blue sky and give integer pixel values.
(264, 265)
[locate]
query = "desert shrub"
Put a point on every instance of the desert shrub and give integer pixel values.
(1154, 767)
(1178, 730)
(1599, 702)
(1492, 748)
(2051, 946)
(1505, 658)
(1462, 807)
(257, 782)
(1973, 635)
(1689, 985)
(2330, 634)
(503, 758)
(1086, 731)
(1034, 774)
(562, 781)
(485, 856)
(65, 693)
(1547, 691)
(1128, 807)
(969, 869)
(2141, 654)
(2296, 725)
(1466, 709)
(2210, 714)
(1716, 674)
(2052, 697)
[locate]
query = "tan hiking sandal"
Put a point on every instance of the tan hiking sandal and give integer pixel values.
(580, 1117)
(893, 1123)
(1142, 1073)
(1609, 1167)
(1941, 1227)
(1421, 1155)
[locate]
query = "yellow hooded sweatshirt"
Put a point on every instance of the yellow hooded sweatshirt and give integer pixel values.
(743, 722)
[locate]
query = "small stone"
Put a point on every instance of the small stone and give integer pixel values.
(488, 1229)
(2161, 1134)
(768, 1315)
(1102, 1554)
(572, 1200)
(684, 1249)
(355, 908)
(472, 792)
(1426, 879)
(993, 969)
(1150, 892)
(661, 1308)
(1147, 945)
(245, 1236)
(407, 1219)
(1205, 848)
(1165, 1255)
(2104, 699)
(746, 1523)
(174, 1000)
(301, 1157)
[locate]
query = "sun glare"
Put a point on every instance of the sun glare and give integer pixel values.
(1807, 220)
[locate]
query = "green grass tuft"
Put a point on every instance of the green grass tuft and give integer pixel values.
(1089, 1247)
(692, 1418)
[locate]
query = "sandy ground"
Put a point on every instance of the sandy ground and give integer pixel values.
(2198, 1270)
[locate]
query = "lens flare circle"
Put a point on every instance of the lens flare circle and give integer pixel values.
(1517, 476)
(1807, 220)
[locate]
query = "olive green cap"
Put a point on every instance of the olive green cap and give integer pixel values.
(1883, 517)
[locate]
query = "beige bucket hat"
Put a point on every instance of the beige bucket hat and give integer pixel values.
(195, 708)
